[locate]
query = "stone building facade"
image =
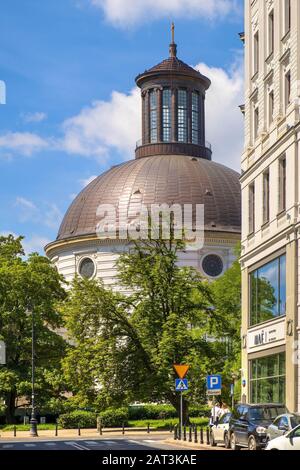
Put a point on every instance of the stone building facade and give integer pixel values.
(270, 203)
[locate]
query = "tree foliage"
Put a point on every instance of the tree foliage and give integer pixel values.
(126, 345)
(29, 287)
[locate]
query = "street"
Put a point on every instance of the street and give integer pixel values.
(104, 444)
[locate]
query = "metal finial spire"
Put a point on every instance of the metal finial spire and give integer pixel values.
(173, 46)
(173, 32)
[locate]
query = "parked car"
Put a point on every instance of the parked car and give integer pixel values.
(248, 424)
(282, 424)
(219, 433)
(290, 441)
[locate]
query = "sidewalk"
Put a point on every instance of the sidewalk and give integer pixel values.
(192, 445)
(84, 433)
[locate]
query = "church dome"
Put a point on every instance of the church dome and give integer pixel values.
(160, 179)
(172, 162)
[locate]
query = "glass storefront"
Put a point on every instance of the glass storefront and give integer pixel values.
(268, 291)
(267, 379)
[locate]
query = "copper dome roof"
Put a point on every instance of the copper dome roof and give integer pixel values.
(173, 65)
(169, 179)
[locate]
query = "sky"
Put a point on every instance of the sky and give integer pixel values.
(72, 108)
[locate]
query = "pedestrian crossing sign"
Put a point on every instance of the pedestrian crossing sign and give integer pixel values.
(181, 385)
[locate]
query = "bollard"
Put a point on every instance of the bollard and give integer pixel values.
(201, 436)
(15, 431)
(207, 436)
(123, 429)
(100, 429)
(56, 430)
(190, 434)
(175, 433)
(179, 433)
(184, 433)
(148, 428)
(79, 431)
(196, 435)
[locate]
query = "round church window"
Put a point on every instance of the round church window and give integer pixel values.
(87, 268)
(212, 265)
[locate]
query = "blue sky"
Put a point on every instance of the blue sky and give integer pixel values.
(72, 109)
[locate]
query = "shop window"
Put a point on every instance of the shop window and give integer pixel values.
(267, 379)
(268, 291)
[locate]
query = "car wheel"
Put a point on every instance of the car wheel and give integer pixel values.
(212, 439)
(233, 444)
(252, 444)
(226, 440)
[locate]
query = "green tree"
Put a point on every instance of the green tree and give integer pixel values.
(226, 293)
(126, 345)
(29, 287)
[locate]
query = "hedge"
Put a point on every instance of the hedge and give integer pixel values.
(75, 419)
(114, 417)
(140, 412)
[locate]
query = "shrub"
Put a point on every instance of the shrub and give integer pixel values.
(114, 417)
(75, 419)
(140, 412)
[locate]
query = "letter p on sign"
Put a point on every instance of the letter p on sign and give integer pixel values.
(213, 382)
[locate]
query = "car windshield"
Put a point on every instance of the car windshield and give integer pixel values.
(265, 413)
(295, 421)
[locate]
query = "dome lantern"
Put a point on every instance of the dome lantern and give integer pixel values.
(173, 109)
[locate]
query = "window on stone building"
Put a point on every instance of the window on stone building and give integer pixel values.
(251, 208)
(153, 116)
(166, 114)
(287, 16)
(271, 107)
(267, 379)
(271, 33)
(255, 121)
(282, 184)
(182, 115)
(268, 291)
(256, 53)
(266, 196)
(287, 87)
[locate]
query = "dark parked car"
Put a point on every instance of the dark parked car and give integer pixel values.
(248, 424)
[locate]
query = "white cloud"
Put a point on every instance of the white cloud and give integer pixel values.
(51, 216)
(105, 125)
(125, 13)
(27, 209)
(34, 243)
(85, 181)
(224, 121)
(48, 214)
(23, 143)
(115, 124)
(34, 117)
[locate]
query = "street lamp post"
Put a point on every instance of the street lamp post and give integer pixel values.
(33, 420)
(234, 378)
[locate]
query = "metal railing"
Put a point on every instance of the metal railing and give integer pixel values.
(139, 143)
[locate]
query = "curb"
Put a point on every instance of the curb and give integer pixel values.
(193, 446)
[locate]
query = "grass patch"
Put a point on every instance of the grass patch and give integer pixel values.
(159, 424)
(164, 423)
(26, 427)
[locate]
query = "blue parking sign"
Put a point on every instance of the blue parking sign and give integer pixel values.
(213, 382)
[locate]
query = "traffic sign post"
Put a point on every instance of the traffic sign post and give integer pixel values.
(2, 353)
(214, 388)
(181, 385)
